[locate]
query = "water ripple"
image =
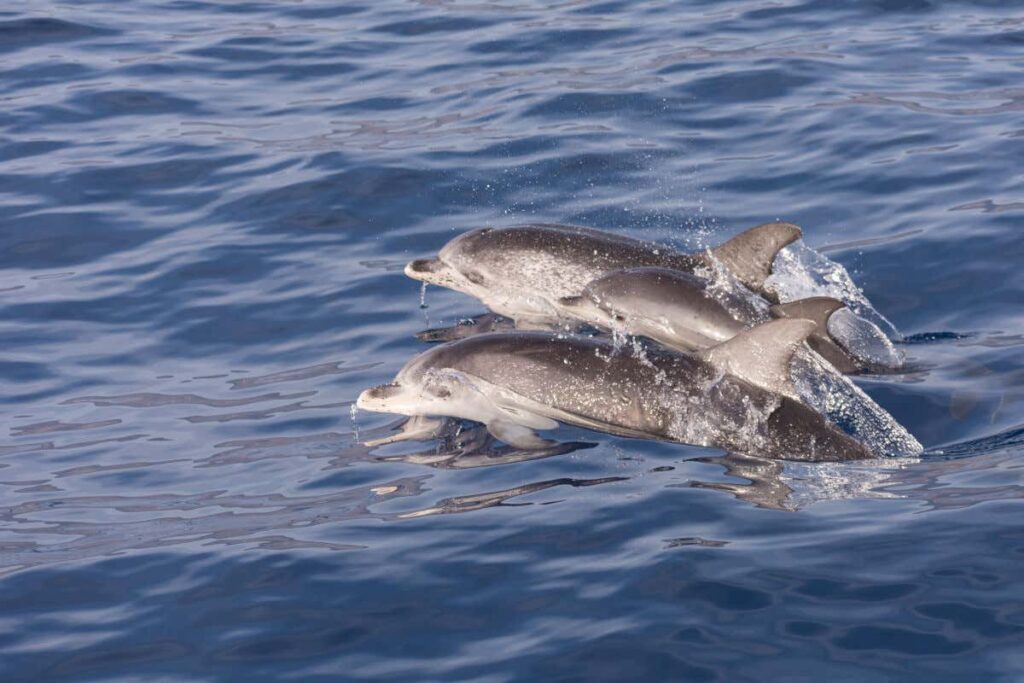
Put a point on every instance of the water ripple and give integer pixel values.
(206, 207)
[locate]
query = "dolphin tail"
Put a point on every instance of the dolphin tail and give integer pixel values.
(749, 255)
(761, 355)
(819, 309)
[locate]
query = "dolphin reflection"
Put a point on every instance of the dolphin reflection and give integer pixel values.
(462, 446)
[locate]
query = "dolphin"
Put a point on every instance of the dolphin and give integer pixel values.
(521, 272)
(736, 396)
(682, 311)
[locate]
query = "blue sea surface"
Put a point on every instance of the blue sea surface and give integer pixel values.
(205, 208)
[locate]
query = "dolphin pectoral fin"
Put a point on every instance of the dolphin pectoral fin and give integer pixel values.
(819, 309)
(525, 417)
(750, 254)
(517, 435)
(416, 428)
(487, 322)
(761, 355)
(508, 406)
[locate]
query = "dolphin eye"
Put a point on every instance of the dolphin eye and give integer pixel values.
(475, 277)
(439, 392)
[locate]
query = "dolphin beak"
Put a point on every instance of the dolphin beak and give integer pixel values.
(423, 268)
(376, 398)
(584, 308)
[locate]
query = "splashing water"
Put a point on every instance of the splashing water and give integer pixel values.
(352, 410)
(846, 405)
(810, 483)
(744, 305)
(800, 272)
(745, 420)
(864, 339)
(639, 351)
(620, 338)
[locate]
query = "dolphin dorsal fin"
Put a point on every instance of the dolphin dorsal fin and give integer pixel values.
(761, 354)
(749, 255)
(820, 309)
(816, 308)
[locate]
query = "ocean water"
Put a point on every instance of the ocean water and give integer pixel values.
(205, 208)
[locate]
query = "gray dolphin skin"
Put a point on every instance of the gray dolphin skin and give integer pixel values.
(679, 310)
(521, 272)
(668, 306)
(736, 396)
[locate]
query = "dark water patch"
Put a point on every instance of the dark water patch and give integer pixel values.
(22, 371)
(724, 596)
(27, 32)
(834, 590)
(128, 102)
(1011, 38)
(904, 5)
(375, 104)
(750, 86)
(535, 46)
(262, 57)
(358, 198)
(329, 11)
(58, 239)
(612, 104)
(431, 25)
(300, 70)
(983, 622)
(616, 657)
(805, 629)
(900, 640)
(10, 149)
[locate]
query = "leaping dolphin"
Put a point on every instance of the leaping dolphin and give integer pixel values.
(737, 396)
(521, 272)
(681, 311)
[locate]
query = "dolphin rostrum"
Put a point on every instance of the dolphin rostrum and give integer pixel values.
(682, 311)
(521, 272)
(737, 396)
